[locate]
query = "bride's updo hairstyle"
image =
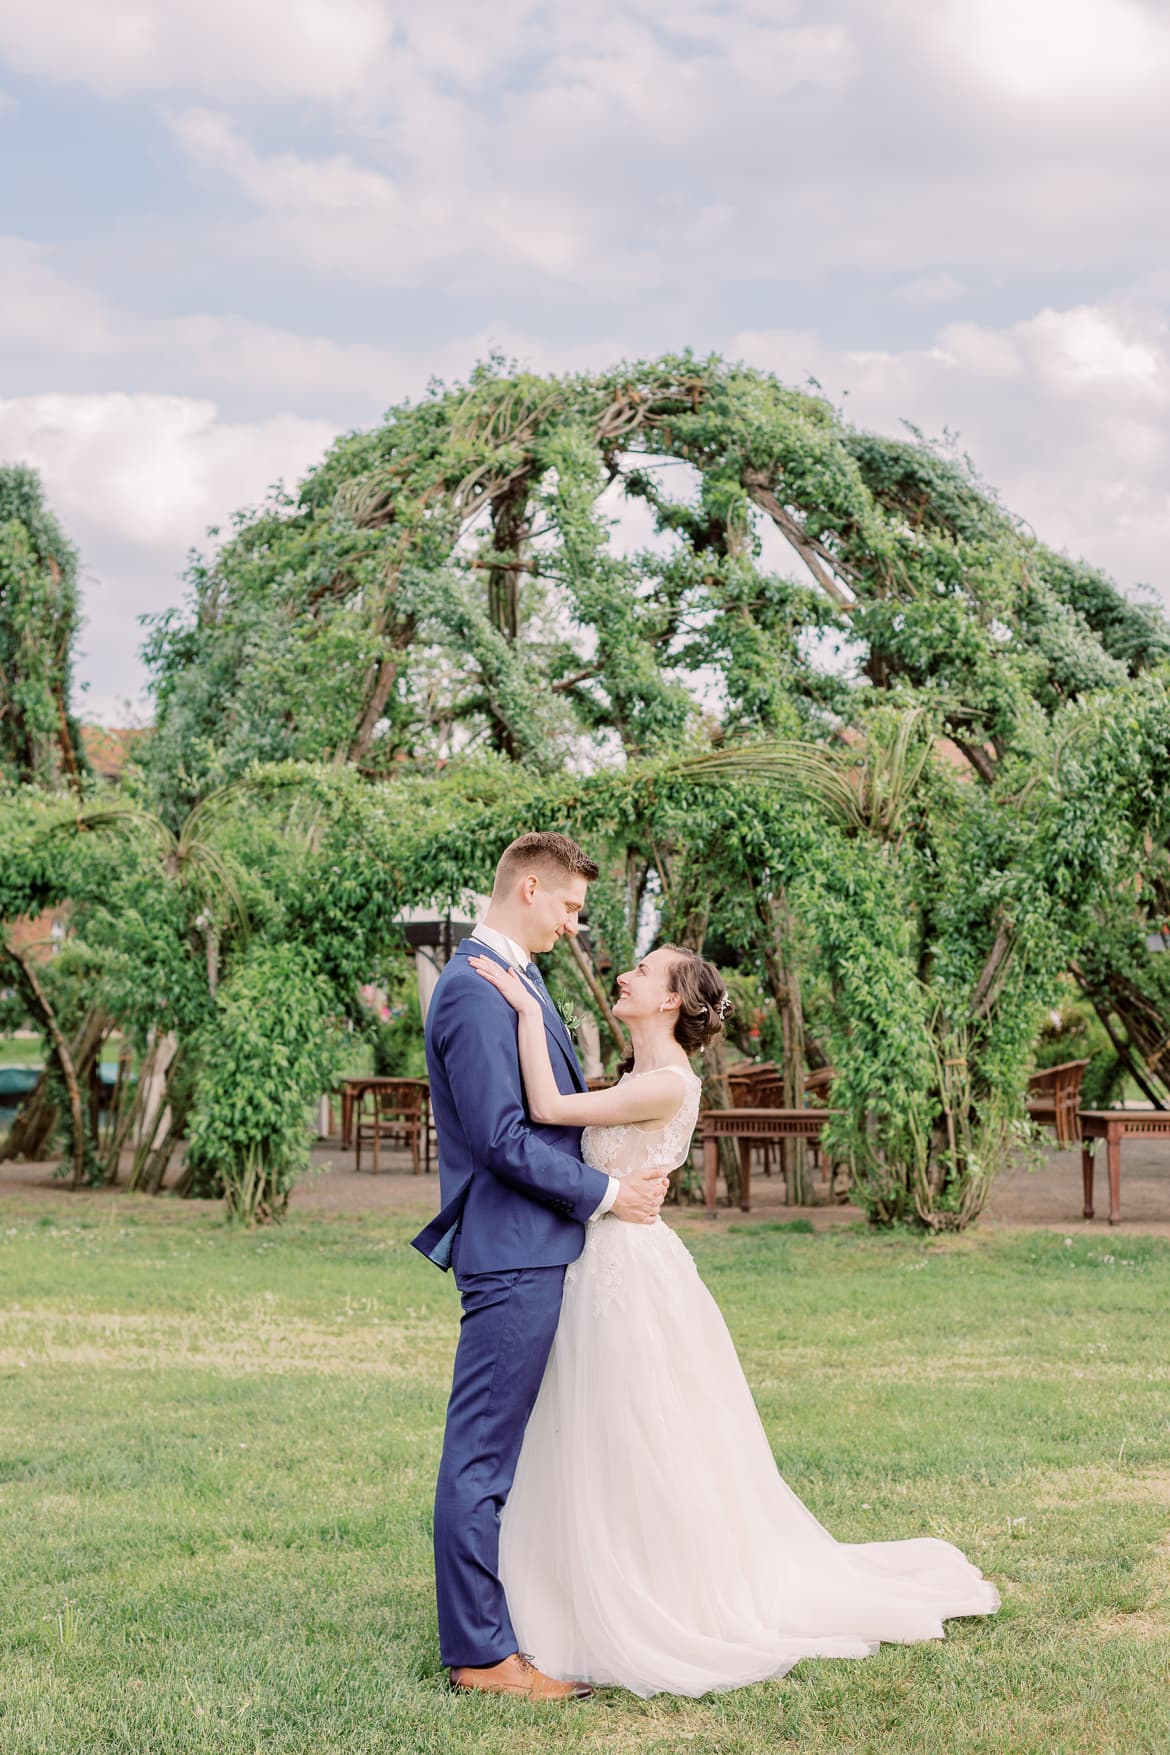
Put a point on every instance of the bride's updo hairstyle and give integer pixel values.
(703, 1001)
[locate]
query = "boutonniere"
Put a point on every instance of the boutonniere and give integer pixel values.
(570, 1016)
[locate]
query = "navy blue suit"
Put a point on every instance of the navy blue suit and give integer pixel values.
(515, 1199)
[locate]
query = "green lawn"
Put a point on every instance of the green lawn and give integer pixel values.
(217, 1454)
(22, 1051)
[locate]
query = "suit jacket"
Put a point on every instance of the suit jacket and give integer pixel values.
(516, 1192)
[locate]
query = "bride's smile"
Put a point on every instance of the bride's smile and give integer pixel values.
(644, 991)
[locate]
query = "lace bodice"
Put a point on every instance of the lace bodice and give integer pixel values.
(619, 1149)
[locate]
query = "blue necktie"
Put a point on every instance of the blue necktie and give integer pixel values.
(532, 974)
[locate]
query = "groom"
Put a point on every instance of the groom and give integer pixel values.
(516, 1199)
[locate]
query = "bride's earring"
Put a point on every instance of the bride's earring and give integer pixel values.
(662, 1007)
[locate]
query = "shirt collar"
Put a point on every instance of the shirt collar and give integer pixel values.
(499, 941)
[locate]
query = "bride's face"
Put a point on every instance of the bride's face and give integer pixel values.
(644, 991)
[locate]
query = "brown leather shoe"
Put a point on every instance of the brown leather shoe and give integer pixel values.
(517, 1675)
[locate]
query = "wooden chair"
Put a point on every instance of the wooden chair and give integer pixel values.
(757, 1085)
(395, 1111)
(1054, 1099)
(745, 1079)
(761, 1086)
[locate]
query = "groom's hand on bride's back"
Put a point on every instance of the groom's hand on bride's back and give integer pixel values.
(641, 1195)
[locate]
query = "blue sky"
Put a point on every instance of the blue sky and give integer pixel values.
(230, 230)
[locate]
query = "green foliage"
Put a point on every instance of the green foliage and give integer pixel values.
(39, 739)
(399, 1048)
(911, 771)
(269, 1052)
(448, 582)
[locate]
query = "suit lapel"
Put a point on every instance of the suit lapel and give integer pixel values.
(554, 1024)
(557, 1032)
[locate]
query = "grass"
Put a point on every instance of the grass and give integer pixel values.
(218, 1451)
(22, 1051)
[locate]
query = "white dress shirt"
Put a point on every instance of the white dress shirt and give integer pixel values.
(519, 958)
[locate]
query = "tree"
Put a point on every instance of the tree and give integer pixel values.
(798, 722)
(449, 581)
(40, 740)
(448, 584)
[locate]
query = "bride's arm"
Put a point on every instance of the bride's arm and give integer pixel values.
(652, 1098)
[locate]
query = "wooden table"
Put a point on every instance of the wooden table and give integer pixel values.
(1113, 1126)
(352, 1091)
(750, 1127)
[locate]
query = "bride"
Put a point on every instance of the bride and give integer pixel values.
(649, 1540)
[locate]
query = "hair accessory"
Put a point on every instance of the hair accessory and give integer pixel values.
(724, 1007)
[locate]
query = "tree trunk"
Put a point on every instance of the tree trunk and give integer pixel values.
(589, 976)
(155, 1168)
(124, 1109)
(1143, 1050)
(32, 1127)
(155, 1123)
(692, 916)
(510, 531)
(777, 944)
(39, 1003)
(70, 761)
(717, 1095)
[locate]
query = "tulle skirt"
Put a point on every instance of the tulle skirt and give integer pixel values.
(649, 1540)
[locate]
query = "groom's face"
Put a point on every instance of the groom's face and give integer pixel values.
(555, 901)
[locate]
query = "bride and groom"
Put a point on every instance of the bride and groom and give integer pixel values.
(608, 1509)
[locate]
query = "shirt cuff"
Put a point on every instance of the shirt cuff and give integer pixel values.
(607, 1199)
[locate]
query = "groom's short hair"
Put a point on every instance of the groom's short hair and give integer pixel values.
(545, 851)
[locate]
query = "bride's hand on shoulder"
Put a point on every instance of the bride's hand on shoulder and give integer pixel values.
(518, 996)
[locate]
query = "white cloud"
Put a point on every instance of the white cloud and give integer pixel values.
(338, 51)
(1054, 50)
(573, 184)
(316, 49)
(646, 143)
(332, 211)
(758, 154)
(1077, 349)
(1064, 413)
(287, 183)
(136, 481)
(153, 470)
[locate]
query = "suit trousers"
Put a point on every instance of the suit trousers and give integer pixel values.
(505, 1336)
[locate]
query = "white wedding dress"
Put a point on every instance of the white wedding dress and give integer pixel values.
(649, 1540)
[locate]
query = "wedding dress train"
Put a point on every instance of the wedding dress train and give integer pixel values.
(649, 1540)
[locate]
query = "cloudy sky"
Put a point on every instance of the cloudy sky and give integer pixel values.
(232, 228)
